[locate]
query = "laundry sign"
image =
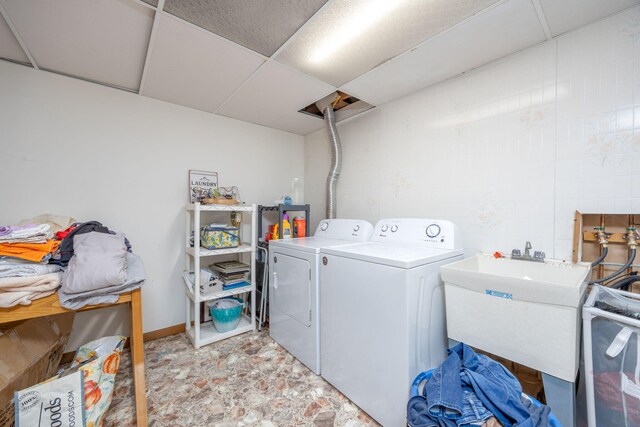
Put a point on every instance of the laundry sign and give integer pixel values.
(202, 184)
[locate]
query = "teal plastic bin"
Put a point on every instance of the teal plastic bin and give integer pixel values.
(226, 313)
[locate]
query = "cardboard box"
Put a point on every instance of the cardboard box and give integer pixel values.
(30, 352)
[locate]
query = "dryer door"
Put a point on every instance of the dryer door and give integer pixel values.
(291, 278)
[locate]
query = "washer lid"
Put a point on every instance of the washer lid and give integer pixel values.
(307, 244)
(402, 255)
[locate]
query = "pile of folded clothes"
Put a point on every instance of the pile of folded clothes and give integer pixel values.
(88, 262)
(25, 274)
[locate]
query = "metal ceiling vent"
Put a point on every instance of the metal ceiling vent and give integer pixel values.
(344, 105)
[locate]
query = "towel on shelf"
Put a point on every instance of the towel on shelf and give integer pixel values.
(22, 268)
(57, 222)
(135, 277)
(36, 252)
(23, 290)
(98, 262)
(31, 233)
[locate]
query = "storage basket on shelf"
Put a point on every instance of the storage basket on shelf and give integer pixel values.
(226, 313)
(612, 357)
(217, 236)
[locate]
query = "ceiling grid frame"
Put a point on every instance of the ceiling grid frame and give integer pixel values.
(543, 19)
(18, 37)
(241, 86)
(251, 86)
(145, 4)
(152, 38)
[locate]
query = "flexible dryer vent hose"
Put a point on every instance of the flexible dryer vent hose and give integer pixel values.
(336, 154)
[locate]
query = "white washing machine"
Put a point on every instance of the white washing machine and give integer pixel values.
(382, 316)
(293, 286)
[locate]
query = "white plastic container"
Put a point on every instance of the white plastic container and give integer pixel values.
(297, 191)
(612, 364)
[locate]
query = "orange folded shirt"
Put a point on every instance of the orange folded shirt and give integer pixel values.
(29, 251)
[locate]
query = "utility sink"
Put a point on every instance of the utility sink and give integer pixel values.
(527, 312)
(550, 282)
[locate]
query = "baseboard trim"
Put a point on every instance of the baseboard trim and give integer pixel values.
(147, 336)
(164, 332)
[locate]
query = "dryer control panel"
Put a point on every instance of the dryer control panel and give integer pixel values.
(345, 229)
(434, 233)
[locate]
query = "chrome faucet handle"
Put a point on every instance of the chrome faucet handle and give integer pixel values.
(539, 255)
(516, 253)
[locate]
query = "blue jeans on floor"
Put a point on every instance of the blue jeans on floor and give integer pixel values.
(495, 390)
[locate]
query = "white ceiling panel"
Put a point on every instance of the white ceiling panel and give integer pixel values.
(347, 38)
(299, 123)
(260, 25)
(565, 15)
(100, 40)
(492, 34)
(9, 46)
(192, 67)
(274, 91)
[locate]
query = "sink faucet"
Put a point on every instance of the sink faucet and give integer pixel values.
(538, 256)
(527, 246)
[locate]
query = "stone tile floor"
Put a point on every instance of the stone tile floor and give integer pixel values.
(248, 380)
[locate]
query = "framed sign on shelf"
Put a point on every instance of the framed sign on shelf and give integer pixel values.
(201, 185)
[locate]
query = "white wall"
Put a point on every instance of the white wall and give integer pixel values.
(93, 152)
(508, 151)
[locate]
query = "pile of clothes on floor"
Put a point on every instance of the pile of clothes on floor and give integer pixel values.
(88, 262)
(471, 389)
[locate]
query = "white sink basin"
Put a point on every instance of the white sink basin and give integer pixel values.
(551, 282)
(524, 311)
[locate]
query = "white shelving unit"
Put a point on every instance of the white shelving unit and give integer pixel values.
(205, 333)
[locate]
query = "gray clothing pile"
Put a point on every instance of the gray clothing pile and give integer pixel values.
(99, 271)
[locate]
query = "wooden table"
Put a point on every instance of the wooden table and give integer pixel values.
(51, 305)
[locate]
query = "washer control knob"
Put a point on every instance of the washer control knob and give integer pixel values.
(433, 230)
(356, 228)
(384, 228)
(324, 226)
(394, 228)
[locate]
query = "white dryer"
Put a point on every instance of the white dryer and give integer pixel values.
(382, 316)
(293, 285)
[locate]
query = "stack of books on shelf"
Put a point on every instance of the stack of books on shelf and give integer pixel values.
(233, 274)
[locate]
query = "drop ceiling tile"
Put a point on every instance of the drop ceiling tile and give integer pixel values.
(260, 25)
(9, 46)
(273, 92)
(334, 48)
(192, 67)
(565, 15)
(492, 34)
(104, 41)
(153, 3)
(299, 123)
